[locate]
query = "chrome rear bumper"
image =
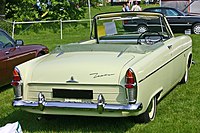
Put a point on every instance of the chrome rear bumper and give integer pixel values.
(100, 106)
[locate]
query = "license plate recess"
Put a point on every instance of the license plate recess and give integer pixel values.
(72, 93)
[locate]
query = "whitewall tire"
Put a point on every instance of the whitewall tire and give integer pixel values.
(149, 114)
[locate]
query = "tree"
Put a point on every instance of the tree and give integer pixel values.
(29, 10)
(2, 7)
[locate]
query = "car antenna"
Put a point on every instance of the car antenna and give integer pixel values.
(188, 5)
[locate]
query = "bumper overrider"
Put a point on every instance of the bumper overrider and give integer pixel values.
(100, 106)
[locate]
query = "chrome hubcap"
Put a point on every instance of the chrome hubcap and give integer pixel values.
(197, 29)
(142, 29)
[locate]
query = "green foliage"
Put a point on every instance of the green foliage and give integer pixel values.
(20, 10)
(29, 10)
(6, 26)
(2, 7)
(66, 10)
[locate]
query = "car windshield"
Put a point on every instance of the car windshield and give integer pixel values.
(5, 41)
(129, 27)
(171, 12)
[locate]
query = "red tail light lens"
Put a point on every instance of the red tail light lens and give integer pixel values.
(16, 77)
(125, 21)
(130, 79)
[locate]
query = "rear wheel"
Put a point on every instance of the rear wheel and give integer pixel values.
(142, 28)
(149, 114)
(196, 28)
(40, 54)
(185, 77)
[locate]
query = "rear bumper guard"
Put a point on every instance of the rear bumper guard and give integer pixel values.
(100, 106)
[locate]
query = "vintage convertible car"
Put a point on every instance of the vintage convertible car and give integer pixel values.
(115, 74)
(13, 52)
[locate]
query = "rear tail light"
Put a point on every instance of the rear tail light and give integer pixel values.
(17, 84)
(16, 77)
(125, 21)
(130, 79)
(131, 85)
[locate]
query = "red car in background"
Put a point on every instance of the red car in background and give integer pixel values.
(14, 52)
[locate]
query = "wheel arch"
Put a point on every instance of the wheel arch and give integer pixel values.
(195, 23)
(147, 115)
(142, 24)
(40, 53)
(156, 94)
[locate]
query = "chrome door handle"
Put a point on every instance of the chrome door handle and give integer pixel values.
(7, 52)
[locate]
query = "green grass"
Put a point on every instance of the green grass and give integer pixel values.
(178, 112)
(53, 39)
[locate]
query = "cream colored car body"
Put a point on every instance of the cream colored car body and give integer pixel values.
(102, 69)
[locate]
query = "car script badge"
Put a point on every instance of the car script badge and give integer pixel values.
(97, 75)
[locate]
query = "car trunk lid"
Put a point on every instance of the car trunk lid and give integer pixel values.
(81, 67)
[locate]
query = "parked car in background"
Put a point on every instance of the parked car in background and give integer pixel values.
(117, 2)
(179, 21)
(13, 52)
(116, 74)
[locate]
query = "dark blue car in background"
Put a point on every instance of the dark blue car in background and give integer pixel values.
(178, 21)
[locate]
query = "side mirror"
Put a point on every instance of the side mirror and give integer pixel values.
(19, 42)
